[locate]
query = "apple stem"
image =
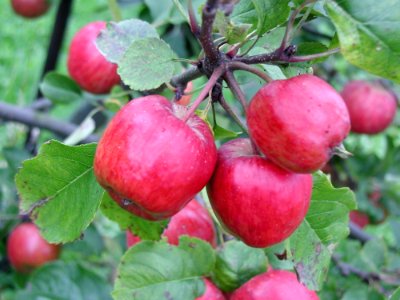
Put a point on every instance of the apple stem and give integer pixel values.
(237, 65)
(233, 115)
(289, 27)
(235, 87)
(341, 151)
(194, 26)
(115, 11)
(205, 91)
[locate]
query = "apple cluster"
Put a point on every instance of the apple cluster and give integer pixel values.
(153, 158)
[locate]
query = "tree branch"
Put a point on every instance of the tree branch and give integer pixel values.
(188, 75)
(237, 91)
(205, 38)
(233, 115)
(237, 65)
(34, 119)
(358, 234)
(203, 94)
(347, 269)
(312, 56)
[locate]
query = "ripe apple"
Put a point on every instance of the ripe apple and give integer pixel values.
(30, 8)
(211, 292)
(27, 250)
(256, 200)
(359, 218)
(150, 161)
(193, 220)
(274, 285)
(86, 65)
(372, 108)
(185, 99)
(297, 122)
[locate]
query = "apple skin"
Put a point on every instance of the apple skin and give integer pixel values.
(372, 108)
(359, 218)
(256, 200)
(86, 65)
(193, 220)
(185, 99)
(211, 292)
(150, 161)
(274, 285)
(27, 250)
(298, 122)
(30, 8)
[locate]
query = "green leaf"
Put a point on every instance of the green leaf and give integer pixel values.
(157, 270)
(368, 33)
(308, 48)
(64, 281)
(236, 264)
(222, 133)
(396, 294)
(147, 64)
(85, 129)
(116, 39)
(59, 190)
(60, 88)
(146, 230)
(263, 15)
(325, 225)
(271, 14)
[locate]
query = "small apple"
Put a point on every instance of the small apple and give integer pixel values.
(359, 218)
(150, 161)
(86, 65)
(372, 108)
(298, 122)
(30, 8)
(211, 292)
(185, 99)
(27, 250)
(193, 220)
(256, 200)
(274, 285)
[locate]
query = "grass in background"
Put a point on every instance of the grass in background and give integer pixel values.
(23, 46)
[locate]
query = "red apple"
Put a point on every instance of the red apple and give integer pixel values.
(359, 218)
(211, 292)
(86, 65)
(150, 161)
(185, 99)
(274, 285)
(30, 8)
(193, 220)
(372, 108)
(256, 200)
(27, 250)
(298, 122)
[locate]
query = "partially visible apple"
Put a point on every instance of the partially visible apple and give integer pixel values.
(30, 8)
(212, 292)
(86, 65)
(193, 220)
(371, 106)
(359, 218)
(150, 161)
(256, 200)
(298, 122)
(185, 99)
(274, 285)
(27, 250)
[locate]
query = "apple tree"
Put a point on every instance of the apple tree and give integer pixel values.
(217, 149)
